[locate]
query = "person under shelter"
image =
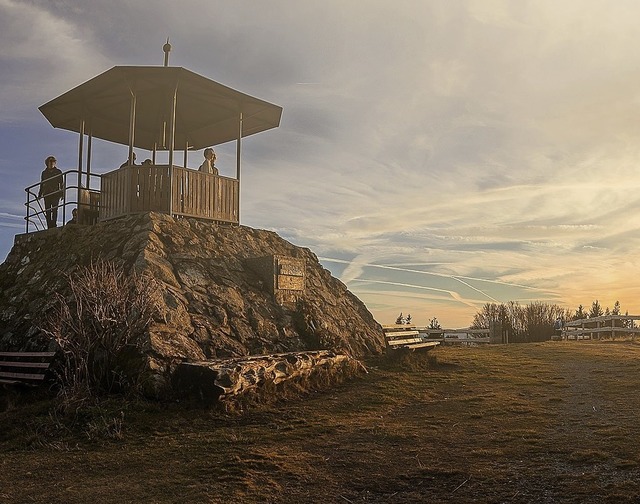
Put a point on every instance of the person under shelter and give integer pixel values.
(74, 217)
(130, 161)
(208, 165)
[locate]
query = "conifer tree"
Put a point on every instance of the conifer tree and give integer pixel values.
(616, 308)
(596, 309)
(579, 314)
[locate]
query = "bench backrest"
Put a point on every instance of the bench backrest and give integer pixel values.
(402, 338)
(24, 367)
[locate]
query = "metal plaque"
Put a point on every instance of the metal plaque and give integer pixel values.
(288, 282)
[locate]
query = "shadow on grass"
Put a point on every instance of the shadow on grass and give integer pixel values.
(408, 361)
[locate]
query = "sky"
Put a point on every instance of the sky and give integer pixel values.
(435, 155)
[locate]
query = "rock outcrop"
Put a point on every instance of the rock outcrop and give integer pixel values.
(228, 291)
(222, 380)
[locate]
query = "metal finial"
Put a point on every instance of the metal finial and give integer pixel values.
(167, 49)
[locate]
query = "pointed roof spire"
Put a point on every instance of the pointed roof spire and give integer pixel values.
(167, 49)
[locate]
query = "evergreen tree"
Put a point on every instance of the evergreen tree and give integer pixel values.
(434, 324)
(596, 310)
(408, 319)
(400, 319)
(579, 314)
(616, 309)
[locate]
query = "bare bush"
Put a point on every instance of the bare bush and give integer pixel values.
(99, 327)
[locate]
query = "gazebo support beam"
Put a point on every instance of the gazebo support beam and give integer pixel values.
(132, 127)
(172, 144)
(89, 142)
(238, 152)
(79, 178)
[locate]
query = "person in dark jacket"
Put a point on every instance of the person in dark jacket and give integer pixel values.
(74, 217)
(51, 189)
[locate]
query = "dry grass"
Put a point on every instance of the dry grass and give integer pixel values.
(550, 422)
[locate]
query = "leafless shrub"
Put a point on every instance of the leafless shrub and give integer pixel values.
(99, 328)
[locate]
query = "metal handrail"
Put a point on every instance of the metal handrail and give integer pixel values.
(35, 211)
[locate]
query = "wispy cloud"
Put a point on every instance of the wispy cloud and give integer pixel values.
(484, 150)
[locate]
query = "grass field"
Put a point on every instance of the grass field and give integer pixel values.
(542, 423)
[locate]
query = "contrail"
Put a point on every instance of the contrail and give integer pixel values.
(460, 279)
(453, 294)
(454, 277)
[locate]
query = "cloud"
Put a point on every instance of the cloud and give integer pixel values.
(39, 55)
(487, 148)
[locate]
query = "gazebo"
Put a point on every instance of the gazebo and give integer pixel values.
(159, 108)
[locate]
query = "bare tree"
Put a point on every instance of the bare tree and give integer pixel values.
(532, 322)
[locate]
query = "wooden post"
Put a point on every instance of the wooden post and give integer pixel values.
(172, 142)
(132, 127)
(238, 152)
(186, 148)
(89, 142)
(79, 178)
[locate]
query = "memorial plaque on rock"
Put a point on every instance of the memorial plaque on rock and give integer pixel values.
(291, 267)
(284, 276)
(288, 282)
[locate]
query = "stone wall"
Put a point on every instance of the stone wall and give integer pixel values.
(216, 305)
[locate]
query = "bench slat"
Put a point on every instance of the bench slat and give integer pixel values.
(27, 354)
(401, 334)
(415, 345)
(425, 344)
(43, 365)
(24, 376)
(404, 341)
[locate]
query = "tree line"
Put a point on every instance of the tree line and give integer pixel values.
(536, 321)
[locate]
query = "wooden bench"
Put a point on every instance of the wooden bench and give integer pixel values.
(406, 337)
(27, 368)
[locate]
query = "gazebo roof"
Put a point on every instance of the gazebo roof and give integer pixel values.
(206, 112)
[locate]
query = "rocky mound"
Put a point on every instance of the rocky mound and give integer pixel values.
(227, 291)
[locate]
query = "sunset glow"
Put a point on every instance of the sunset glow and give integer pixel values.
(434, 155)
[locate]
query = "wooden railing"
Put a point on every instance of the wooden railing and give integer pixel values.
(197, 194)
(597, 327)
(187, 193)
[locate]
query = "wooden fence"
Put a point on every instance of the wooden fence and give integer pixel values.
(598, 327)
(187, 193)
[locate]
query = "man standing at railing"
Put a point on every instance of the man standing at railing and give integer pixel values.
(51, 189)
